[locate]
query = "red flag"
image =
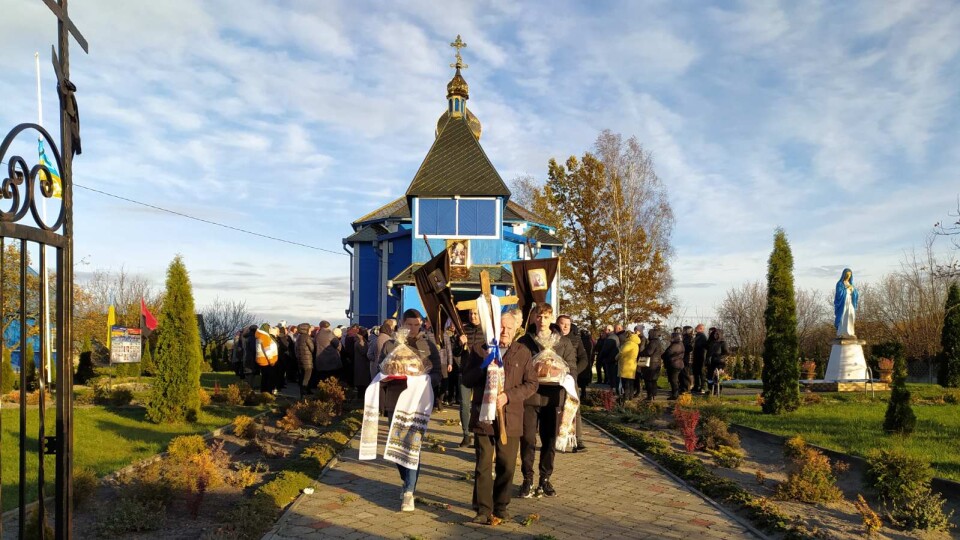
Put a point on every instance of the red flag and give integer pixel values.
(149, 321)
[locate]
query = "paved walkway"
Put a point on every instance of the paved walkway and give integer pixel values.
(607, 492)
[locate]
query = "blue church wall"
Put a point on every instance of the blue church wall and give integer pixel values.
(482, 251)
(367, 281)
(400, 259)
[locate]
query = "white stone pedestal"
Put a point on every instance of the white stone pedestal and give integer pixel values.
(846, 361)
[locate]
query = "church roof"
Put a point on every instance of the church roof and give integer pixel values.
(368, 233)
(498, 275)
(457, 165)
(544, 237)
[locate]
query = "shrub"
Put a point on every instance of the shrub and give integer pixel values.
(781, 352)
(606, 399)
(184, 448)
(871, 521)
(290, 421)
(714, 433)
(175, 395)
(85, 370)
(331, 391)
(727, 457)
(129, 515)
(85, 483)
(313, 412)
(949, 373)
(245, 476)
(687, 424)
(147, 366)
(794, 447)
(204, 398)
(248, 519)
(147, 485)
(232, 395)
(270, 448)
(259, 398)
(192, 466)
(714, 410)
(33, 526)
(245, 427)
(902, 485)
(116, 397)
(284, 488)
(899, 418)
(810, 478)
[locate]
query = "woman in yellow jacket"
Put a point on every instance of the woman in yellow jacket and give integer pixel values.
(628, 364)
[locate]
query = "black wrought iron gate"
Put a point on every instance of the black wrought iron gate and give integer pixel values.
(28, 240)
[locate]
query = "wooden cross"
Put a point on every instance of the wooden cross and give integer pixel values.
(60, 10)
(486, 291)
(69, 117)
(458, 44)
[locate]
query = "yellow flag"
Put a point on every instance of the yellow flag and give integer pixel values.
(111, 320)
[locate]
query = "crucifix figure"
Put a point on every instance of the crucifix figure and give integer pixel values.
(69, 114)
(459, 44)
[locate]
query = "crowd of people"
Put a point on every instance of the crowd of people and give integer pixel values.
(502, 424)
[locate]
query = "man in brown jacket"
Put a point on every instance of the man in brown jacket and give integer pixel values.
(520, 382)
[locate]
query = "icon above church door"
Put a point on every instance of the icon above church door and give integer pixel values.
(459, 251)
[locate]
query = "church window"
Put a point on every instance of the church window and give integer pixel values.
(466, 218)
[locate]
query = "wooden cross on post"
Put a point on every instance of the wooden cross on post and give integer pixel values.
(69, 115)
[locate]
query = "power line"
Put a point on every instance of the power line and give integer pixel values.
(207, 221)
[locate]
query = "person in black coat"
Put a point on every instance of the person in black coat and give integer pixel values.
(286, 356)
(306, 350)
(654, 351)
(716, 358)
(686, 376)
(569, 331)
(586, 377)
(673, 358)
(699, 357)
(461, 352)
(608, 356)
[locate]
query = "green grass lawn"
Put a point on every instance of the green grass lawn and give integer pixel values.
(852, 423)
(105, 438)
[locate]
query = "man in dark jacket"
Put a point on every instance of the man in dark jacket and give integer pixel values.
(699, 356)
(323, 337)
(426, 349)
(306, 350)
(520, 382)
(653, 350)
(686, 375)
(568, 330)
(474, 334)
(541, 410)
(608, 356)
(673, 358)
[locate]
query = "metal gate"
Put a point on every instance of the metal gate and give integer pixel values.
(27, 239)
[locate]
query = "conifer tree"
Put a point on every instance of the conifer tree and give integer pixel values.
(949, 375)
(781, 352)
(7, 376)
(146, 361)
(176, 388)
(899, 418)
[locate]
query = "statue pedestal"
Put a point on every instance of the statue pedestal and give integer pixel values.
(846, 360)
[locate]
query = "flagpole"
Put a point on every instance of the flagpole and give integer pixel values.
(44, 278)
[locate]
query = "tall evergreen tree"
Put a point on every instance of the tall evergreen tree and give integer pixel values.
(176, 388)
(900, 418)
(949, 374)
(781, 351)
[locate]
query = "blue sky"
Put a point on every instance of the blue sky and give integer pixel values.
(835, 120)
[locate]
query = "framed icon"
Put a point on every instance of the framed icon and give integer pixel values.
(538, 279)
(459, 251)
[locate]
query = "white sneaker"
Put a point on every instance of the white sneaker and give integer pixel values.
(407, 505)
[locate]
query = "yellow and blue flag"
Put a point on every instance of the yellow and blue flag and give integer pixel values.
(44, 160)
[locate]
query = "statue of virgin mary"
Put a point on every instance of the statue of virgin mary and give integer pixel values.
(845, 304)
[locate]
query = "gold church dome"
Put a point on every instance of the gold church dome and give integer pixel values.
(472, 122)
(458, 86)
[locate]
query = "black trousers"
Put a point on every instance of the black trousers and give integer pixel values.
(650, 376)
(698, 380)
(493, 492)
(267, 375)
(600, 378)
(542, 421)
(673, 374)
(628, 390)
(685, 378)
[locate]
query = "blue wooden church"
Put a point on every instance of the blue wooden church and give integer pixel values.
(459, 202)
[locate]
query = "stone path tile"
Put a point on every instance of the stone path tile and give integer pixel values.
(606, 492)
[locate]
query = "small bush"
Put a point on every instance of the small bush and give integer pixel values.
(245, 476)
(183, 449)
(714, 433)
(269, 448)
(84, 372)
(284, 488)
(233, 395)
(902, 485)
(85, 483)
(810, 478)
(794, 447)
(727, 457)
(254, 399)
(33, 526)
(204, 398)
(247, 520)
(130, 515)
(105, 394)
(687, 424)
(900, 418)
(871, 521)
(290, 421)
(331, 391)
(715, 410)
(245, 427)
(314, 412)
(147, 485)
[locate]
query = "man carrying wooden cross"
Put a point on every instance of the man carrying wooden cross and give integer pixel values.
(500, 387)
